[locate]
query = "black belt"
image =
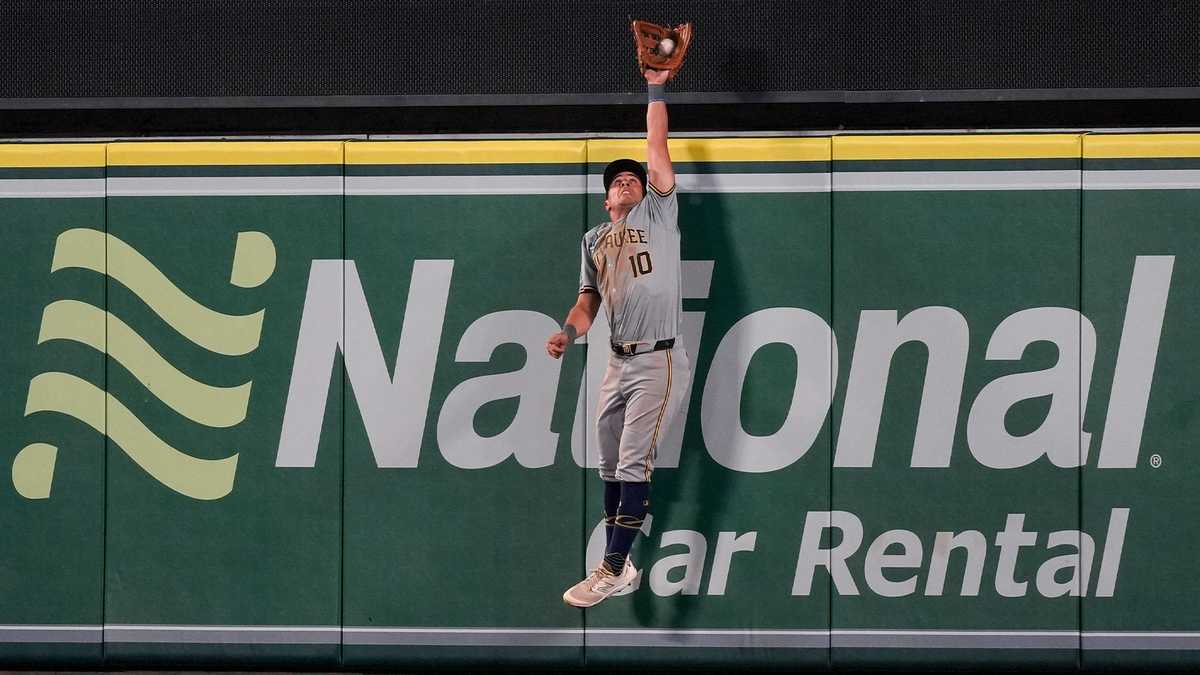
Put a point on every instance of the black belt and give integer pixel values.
(630, 348)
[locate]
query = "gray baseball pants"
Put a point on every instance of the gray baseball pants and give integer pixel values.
(640, 398)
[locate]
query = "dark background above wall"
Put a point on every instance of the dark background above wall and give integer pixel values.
(223, 66)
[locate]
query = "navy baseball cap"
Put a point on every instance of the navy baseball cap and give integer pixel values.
(620, 166)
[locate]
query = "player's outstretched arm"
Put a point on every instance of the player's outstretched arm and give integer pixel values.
(658, 159)
(579, 320)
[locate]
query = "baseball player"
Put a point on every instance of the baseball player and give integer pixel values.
(631, 264)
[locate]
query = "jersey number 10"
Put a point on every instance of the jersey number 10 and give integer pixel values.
(641, 264)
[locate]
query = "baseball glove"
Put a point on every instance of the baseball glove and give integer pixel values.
(648, 38)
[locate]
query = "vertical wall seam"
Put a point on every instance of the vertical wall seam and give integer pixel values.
(832, 394)
(342, 482)
(1082, 413)
(104, 441)
(587, 346)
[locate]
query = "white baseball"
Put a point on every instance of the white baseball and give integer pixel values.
(666, 46)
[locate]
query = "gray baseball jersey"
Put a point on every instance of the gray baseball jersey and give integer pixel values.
(634, 265)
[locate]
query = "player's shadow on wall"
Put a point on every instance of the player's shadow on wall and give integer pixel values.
(694, 495)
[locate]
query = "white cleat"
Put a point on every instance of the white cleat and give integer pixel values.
(599, 585)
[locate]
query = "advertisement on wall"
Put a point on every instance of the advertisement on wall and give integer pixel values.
(289, 402)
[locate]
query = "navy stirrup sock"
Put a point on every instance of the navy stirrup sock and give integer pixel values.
(635, 502)
(612, 500)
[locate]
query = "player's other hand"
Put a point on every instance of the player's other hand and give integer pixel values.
(656, 76)
(557, 344)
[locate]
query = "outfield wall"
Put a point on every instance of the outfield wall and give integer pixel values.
(287, 404)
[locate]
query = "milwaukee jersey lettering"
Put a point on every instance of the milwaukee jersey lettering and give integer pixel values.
(634, 265)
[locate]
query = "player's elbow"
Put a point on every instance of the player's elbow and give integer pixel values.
(588, 304)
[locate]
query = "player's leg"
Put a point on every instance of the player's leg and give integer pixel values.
(610, 421)
(656, 384)
(610, 415)
(635, 503)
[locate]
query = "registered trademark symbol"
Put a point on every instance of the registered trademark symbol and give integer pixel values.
(1156, 460)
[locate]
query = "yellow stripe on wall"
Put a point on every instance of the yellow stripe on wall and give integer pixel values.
(225, 153)
(466, 152)
(716, 149)
(1119, 146)
(963, 146)
(51, 155)
(932, 147)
